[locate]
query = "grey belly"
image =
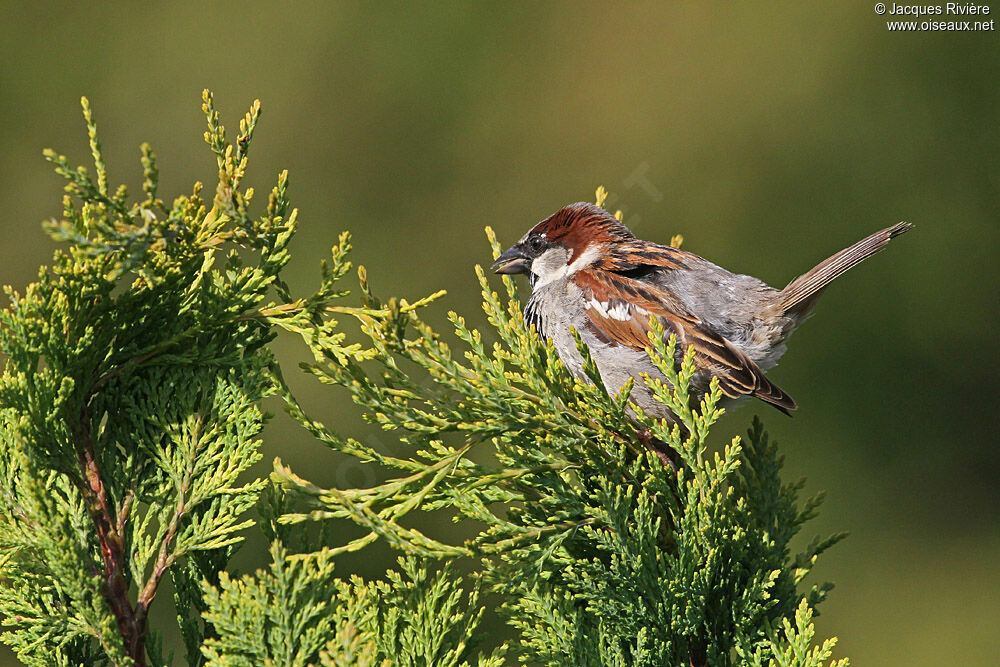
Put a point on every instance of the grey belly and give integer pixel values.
(617, 365)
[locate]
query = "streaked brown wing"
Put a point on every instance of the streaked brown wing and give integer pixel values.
(619, 309)
(638, 255)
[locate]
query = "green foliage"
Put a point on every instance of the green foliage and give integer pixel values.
(135, 370)
(130, 410)
(599, 553)
(283, 617)
(793, 647)
(297, 612)
(49, 597)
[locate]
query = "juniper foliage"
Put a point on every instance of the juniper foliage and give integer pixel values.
(130, 410)
(599, 553)
(131, 400)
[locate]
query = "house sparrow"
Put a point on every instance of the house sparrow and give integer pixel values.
(589, 272)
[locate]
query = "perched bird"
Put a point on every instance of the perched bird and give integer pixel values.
(589, 272)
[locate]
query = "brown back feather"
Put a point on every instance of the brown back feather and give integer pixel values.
(738, 374)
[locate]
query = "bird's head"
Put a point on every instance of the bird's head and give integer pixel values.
(573, 238)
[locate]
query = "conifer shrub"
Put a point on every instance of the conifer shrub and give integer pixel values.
(135, 369)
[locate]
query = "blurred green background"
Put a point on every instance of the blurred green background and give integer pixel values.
(769, 135)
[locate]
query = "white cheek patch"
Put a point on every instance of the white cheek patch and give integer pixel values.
(552, 264)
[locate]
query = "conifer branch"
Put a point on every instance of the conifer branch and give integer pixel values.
(109, 537)
(130, 413)
(673, 567)
(165, 557)
(131, 332)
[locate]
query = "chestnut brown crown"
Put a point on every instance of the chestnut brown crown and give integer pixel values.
(575, 227)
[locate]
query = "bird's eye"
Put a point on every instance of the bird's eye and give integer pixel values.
(536, 243)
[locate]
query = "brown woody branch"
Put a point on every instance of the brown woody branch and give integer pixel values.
(109, 535)
(164, 559)
(110, 527)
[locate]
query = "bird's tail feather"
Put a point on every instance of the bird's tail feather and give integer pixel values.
(802, 292)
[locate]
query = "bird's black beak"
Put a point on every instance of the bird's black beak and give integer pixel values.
(512, 261)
